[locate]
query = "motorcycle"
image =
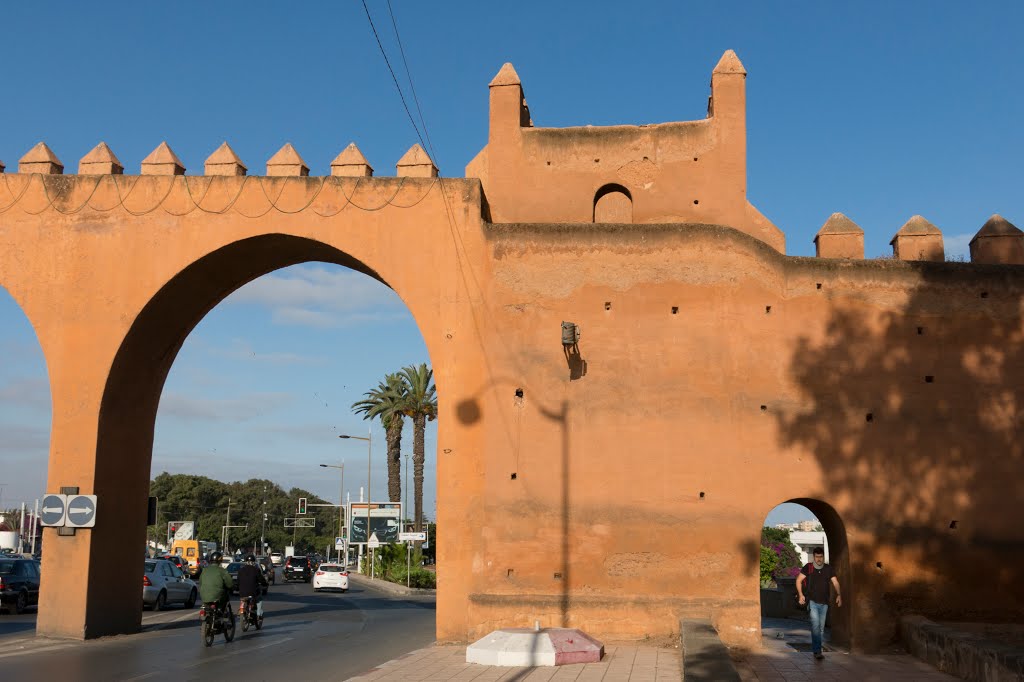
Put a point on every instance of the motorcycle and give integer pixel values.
(248, 611)
(214, 621)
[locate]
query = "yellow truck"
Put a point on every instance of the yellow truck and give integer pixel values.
(194, 552)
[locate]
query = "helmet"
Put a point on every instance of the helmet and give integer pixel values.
(251, 558)
(215, 557)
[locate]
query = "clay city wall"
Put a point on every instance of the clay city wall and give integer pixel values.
(617, 484)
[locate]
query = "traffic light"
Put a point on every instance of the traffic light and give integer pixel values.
(151, 512)
(302, 505)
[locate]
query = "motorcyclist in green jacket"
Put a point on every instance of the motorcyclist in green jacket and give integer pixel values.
(215, 584)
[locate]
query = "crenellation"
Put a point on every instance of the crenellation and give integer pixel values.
(415, 163)
(351, 163)
(287, 162)
(40, 159)
(918, 239)
(224, 161)
(839, 237)
(998, 241)
(100, 161)
(162, 161)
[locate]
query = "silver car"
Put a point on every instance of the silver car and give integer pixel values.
(164, 583)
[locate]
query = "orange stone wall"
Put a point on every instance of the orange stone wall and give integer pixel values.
(626, 486)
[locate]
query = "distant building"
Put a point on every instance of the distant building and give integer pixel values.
(806, 541)
(806, 526)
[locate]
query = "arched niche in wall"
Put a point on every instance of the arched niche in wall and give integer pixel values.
(613, 204)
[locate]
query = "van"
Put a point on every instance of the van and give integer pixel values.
(276, 558)
(192, 552)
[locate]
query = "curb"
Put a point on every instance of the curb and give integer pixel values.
(389, 587)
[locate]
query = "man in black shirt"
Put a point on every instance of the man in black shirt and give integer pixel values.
(251, 583)
(819, 578)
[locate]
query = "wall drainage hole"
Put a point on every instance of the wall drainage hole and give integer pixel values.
(597, 160)
(514, 474)
(511, 572)
(549, 163)
(817, 285)
(702, 494)
(929, 379)
(675, 310)
(920, 331)
(695, 158)
(607, 305)
(878, 565)
(869, 417)
(519, 393)
(767, 310)
(646, 159)
(984, 294)
(558, 576)
(952, 524)
(695, 202)
(764, 408)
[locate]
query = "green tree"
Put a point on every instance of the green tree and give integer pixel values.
(420, 405)
(769, 560)
(386, 403)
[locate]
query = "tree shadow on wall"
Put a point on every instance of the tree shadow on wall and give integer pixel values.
(915, 418)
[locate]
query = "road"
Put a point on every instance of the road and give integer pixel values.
(305, 635)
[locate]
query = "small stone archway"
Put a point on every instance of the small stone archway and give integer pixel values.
(613, 203)
(840, 619)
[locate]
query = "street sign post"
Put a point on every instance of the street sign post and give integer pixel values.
(412, 537)
(408, 539)
(372, 544)
(339, 544)
(81, 511)
(54, 511)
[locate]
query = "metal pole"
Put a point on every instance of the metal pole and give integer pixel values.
(21, 530)
(263, 527)
(35, 525)
(341, 505)
(225, 531)
(408, 567)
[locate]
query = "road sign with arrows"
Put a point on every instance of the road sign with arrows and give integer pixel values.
(81, 511)
(54, 510)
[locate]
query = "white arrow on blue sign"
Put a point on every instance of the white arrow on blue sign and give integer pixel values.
(54, 511)
(81, 511)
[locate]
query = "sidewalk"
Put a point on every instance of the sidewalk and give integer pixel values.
(620, 663)
(786, 656)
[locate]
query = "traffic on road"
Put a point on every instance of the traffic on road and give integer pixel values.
(303, 631)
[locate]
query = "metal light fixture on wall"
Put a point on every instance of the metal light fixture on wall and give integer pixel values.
(570, 334)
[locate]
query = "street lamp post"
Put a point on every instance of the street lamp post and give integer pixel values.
(369, 457)
(341, 498)
(263, 528)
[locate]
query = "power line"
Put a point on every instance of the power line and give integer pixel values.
(393, 77)
(412, 87)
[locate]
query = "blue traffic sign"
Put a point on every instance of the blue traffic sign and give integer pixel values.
(81, 511)
(54, 511)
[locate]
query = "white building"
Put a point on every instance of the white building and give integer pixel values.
(806, 541)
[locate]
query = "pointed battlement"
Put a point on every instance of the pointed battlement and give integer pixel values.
(416, 164)
(287, 162)
(100, 161)
(998, 241)
(839, 237)
(918, 239)
(224, 161)
(162, 161)
(40, 159)
(351, 163)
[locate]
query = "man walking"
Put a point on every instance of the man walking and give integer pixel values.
(819, 577)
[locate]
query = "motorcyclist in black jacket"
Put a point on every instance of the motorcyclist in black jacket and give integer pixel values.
(251, 582)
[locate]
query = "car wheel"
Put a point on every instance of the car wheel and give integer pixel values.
(21, 603)
(191, 601)
(161, 601)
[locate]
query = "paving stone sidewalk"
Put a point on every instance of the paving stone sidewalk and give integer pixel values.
(620, 663)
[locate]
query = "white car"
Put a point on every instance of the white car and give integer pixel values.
(331, 577)
(276, 558)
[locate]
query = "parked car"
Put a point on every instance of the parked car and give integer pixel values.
(178, 560)
(163, 583)
(330, 576)
(297, 568)
(19, 583)
(276, 558)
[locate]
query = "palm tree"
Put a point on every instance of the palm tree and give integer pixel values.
(386, 402)
(420, 405)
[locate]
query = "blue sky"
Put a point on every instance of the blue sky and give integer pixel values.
(880, 110)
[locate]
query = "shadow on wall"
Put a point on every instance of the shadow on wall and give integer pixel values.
(915, 417)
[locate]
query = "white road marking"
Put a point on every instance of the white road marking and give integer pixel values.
(237, 652)
(35, 651)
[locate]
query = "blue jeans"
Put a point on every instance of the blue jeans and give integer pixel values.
(817, 612)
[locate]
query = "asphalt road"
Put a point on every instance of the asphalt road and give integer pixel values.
(305, 635)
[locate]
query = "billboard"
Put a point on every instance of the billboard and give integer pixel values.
(384, 520)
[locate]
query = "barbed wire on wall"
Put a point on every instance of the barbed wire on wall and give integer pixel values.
(197, 204)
